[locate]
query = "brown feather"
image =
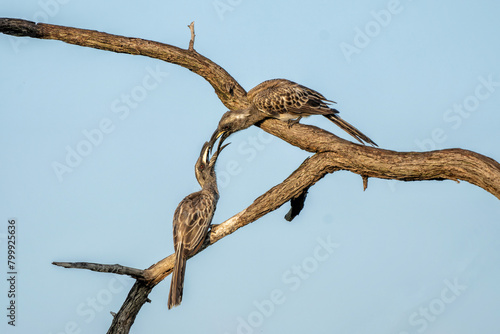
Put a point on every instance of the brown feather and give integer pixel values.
(192, 220)
(285, 99)
(350, 129)
(177, 285)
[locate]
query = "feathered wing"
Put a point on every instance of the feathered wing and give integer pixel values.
(192, 220)
(280, 97)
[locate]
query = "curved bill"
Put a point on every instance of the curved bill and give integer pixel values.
(204, 152)
(218, 134)
(216, 154)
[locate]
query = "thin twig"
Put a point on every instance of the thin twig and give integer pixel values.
(103, 268)
(191, 42)
(365, 182)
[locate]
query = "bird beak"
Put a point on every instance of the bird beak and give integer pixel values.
(204, 153)
(216, 154)
(218, 133)
(221, 148)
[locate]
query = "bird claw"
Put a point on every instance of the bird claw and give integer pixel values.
(292, 122)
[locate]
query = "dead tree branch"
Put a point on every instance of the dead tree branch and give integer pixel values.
(226, 88)
(103, 268)
(331, 152)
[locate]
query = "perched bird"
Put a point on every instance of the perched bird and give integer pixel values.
(192, 219)
(286, 100)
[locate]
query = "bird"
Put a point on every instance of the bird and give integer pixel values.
(192, 220)
(285, 100)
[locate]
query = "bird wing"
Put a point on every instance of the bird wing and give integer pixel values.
(192, 219)
(280, 97)
(285, 99)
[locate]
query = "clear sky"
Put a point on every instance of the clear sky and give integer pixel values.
(98, 149)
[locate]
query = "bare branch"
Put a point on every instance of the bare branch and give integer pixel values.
(137, 296)
(449, 164)
(103, 268)
(191, 42)
(306, 137)
(227, 89)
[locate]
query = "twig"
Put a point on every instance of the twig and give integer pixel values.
(191, 42)
(365, 182)
(103, 268)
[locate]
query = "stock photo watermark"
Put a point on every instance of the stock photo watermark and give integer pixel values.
(11, 272)
(456, 114)
(121, 107)
(224, 6)
(427, 314)
(292, 279)
(48, 9)
(248, 150)
(380, 19)
(88, 310)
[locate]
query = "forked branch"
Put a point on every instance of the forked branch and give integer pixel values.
(331, 153)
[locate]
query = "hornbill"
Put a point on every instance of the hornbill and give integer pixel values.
(192, 219)
(286, 100)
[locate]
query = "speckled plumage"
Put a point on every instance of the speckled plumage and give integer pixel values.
(281, 98)
(192, 220)
(285, 100)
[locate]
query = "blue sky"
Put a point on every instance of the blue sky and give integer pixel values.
(399, 258)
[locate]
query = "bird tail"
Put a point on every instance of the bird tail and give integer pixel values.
(177, 284)
(350, 129)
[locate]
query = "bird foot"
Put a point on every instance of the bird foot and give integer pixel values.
(292, 122)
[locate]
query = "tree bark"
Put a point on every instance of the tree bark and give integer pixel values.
(331, 153)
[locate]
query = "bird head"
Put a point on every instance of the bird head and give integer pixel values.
(233, 121)
(205, 166)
